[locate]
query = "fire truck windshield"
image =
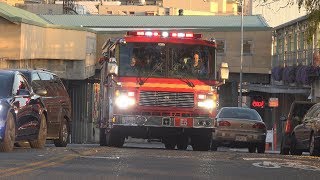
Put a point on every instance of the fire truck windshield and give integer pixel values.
(165, 60)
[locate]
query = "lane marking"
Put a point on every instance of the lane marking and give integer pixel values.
(266, 164)
(100, 157)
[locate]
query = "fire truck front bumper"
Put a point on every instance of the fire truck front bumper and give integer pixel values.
(161, 121)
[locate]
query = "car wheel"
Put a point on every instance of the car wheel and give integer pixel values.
(42, 135)
(9, 134)
(314, 147)
(63, 135)
(252, 148)
(293, 148)
(261, 147)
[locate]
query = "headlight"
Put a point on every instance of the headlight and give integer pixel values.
(124, 101)
(209, 104)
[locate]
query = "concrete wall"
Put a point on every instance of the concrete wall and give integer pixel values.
(69, 53)
(52, 43)
(257, 62)
(9, 40)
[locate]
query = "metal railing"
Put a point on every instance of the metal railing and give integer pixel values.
(300, 57)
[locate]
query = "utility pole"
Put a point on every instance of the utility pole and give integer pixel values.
(241, 55)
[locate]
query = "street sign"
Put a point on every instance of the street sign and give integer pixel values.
(273, 102)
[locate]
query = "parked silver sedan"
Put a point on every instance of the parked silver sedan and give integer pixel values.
(239, 127)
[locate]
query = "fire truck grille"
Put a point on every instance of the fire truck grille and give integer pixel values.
(166, 99)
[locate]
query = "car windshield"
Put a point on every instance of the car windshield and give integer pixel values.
(165, 60)
(240, 113)
(5, 85)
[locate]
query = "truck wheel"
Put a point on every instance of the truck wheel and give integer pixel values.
(63, 135)
(314, 147)
(9, 134)
(42, 135)
(169, 142)
(182, 143)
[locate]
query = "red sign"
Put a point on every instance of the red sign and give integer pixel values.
(258, 104)
(273, 102)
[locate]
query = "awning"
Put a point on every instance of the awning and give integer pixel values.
(280, 89)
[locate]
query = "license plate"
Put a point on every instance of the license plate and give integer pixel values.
(241, 138)
(128, 120)
(183, 122)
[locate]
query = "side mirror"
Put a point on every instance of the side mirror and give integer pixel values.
(224, 71)
(41, 92)
(112, 67)
(283, 118)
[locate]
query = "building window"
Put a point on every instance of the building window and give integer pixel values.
(221, 46)
(247, 46)
(131, 12)
(274, 45)
(109, 12)
(149, 13)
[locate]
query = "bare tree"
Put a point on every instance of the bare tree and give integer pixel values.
(313, 12)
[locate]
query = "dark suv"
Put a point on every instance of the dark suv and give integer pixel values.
(306, 136)
(57, 102)
(298, 110)
(22, 112)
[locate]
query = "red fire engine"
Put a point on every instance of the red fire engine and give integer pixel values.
(160, 85)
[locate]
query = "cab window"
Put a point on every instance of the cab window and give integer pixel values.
(45, 76)
(20, 83)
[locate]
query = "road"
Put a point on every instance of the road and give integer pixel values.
(151, 161)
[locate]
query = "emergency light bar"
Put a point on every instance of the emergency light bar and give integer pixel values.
(164, 34)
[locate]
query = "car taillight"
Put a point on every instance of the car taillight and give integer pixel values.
(224, 123)
(259, 126)
(288, 126)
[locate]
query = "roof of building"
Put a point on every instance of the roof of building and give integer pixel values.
(109, 22)
(14, 14)
(17, 15)
(290, 23)
(255, 22)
